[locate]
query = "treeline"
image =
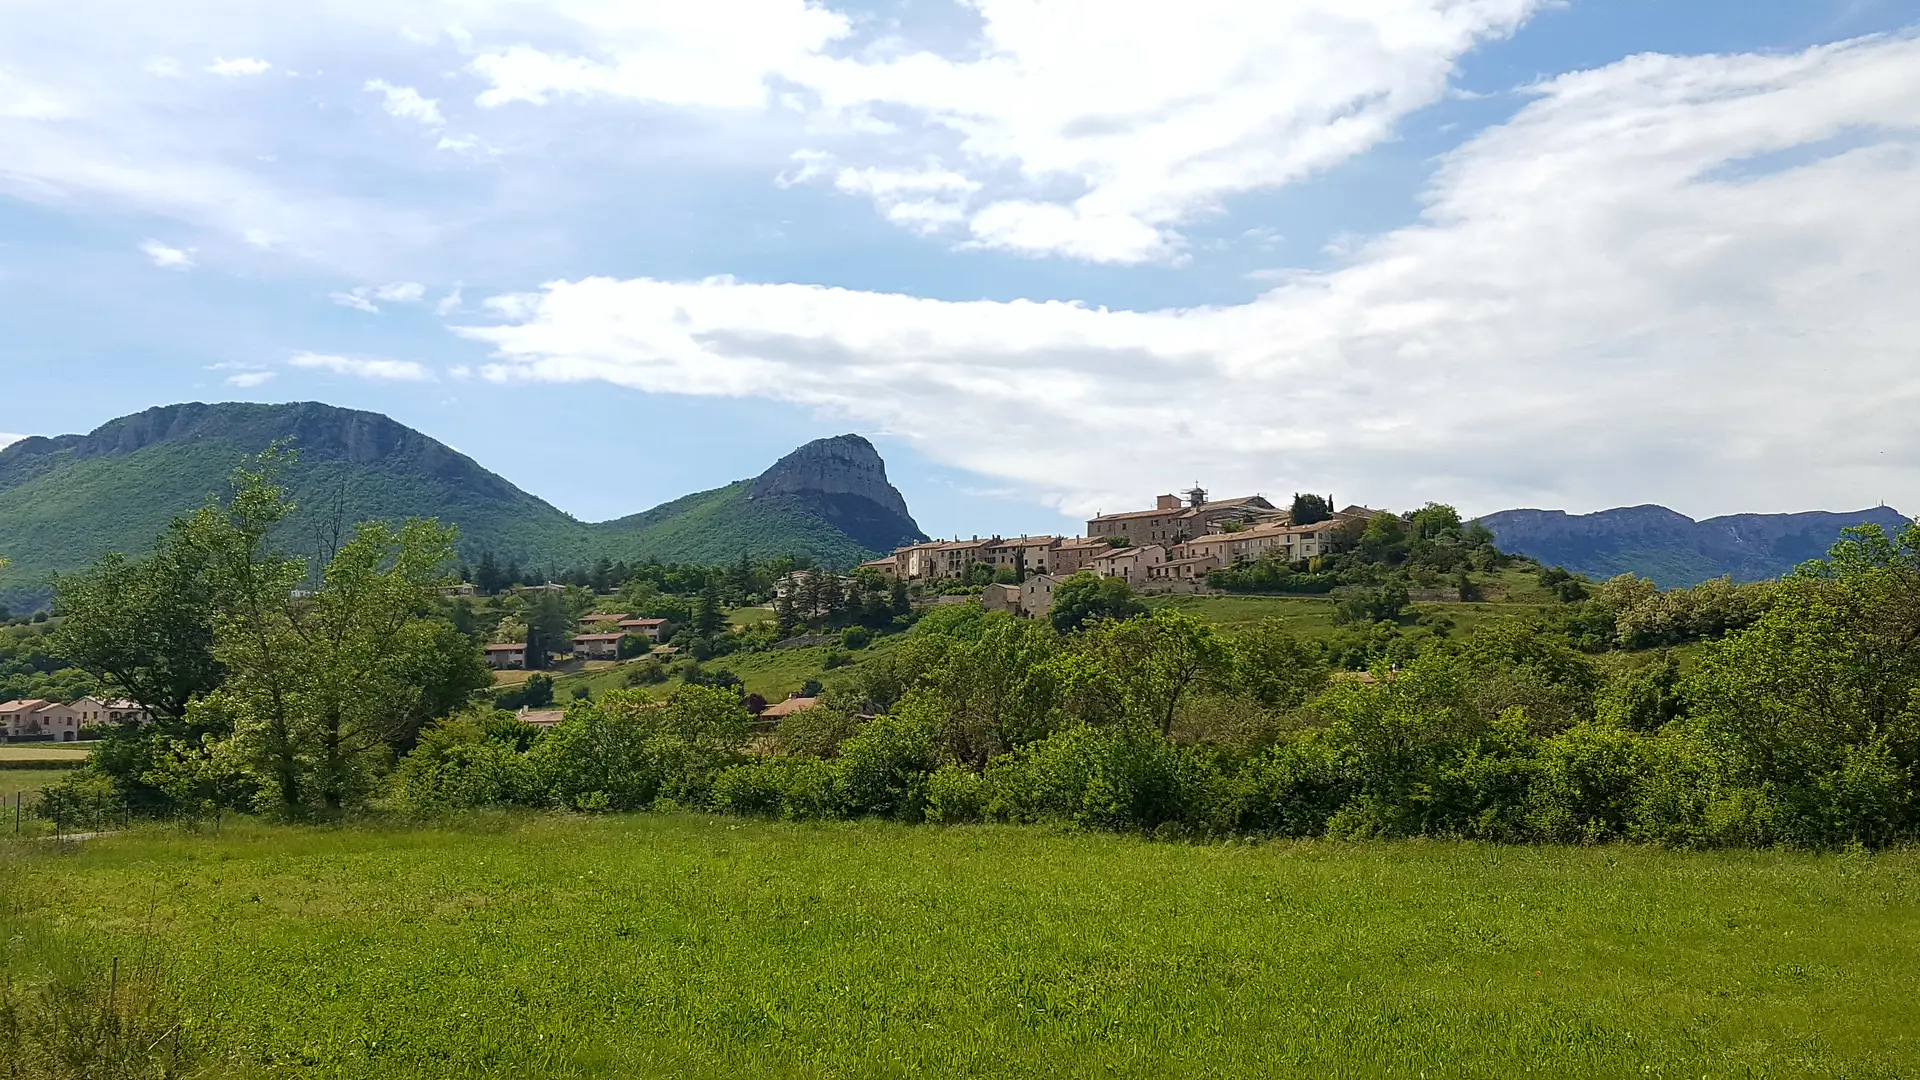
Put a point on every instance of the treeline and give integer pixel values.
(1802, 728)
(741, 582)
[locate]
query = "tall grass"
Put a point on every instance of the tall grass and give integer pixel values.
(68, 1012)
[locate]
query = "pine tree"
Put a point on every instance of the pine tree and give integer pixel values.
(831, 597)
(897, 597)
(707, 618)
(785, 620)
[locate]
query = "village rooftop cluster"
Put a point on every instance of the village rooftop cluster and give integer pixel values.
(1169, 548)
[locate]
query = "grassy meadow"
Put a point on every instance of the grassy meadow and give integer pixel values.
(687, 946)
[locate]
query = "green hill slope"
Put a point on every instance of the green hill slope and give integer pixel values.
(722, 524)
(66, 501)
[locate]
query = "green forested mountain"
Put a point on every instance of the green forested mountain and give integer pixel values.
(66, 501)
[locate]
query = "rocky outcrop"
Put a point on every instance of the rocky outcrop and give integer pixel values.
(1674, 549)
(843, 481)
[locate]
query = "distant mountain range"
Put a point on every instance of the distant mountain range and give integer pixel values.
(66, 501)
(1672, 549)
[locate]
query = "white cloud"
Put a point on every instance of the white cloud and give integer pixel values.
(164, 67)
(245, 65)
(244, 375)
(8, 440)
(406, 103)
(400, 292)
(448, 304)
(167, 258)
(713, 54)
(362, 297)
(355, 300)
(1680, 279)
(359, 367)
(1093, 129)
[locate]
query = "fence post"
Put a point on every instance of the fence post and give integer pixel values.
(16, 811)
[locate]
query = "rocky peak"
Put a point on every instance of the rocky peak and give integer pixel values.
(842, 465)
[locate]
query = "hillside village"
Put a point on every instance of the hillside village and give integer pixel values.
(1171, 547)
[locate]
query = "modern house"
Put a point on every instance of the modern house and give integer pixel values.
(651, 629)
(597, 646)
(96, 713)
(38, 720)
(510, 656)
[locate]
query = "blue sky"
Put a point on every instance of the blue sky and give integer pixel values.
(1051, 255)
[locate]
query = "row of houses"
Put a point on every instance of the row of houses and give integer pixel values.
(594, 645)
(1175, 543)
(38, 720)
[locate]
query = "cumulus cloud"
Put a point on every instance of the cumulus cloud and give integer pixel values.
(1092, 129)
(245, 65)
(406, 103)
(363, 368)
(167, 258)
(1683, 279)
(363, 297)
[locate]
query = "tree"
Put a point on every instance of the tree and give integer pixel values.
(487, 576)
(146, 626)
(708, 619)
(1153, 661)
(1310, 509)
(830, 595)
(537, 691)
(1276, 668)
(549, 628)
(1385, 539)
(785, 619)
(1086, 597)
(323, 688)
(899, 602)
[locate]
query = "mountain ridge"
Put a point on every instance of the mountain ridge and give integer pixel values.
(65, 500)
(1673, 549)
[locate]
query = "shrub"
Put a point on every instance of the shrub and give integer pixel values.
(816, 732)
(1292, 789)
(464, 763)
(799, 789)
(856, 637)
(884, 768)
(956, 795)
(84, 800)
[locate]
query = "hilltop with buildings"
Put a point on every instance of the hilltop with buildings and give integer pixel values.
(1171, 547)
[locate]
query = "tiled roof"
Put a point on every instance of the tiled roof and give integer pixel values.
(518, 646)
(578, 638)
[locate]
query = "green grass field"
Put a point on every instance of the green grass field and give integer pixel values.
(27, 781)
(687, 946)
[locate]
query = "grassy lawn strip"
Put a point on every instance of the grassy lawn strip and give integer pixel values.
(64, 753)
(707, 947)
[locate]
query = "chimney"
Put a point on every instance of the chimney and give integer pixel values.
(1167, 502)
